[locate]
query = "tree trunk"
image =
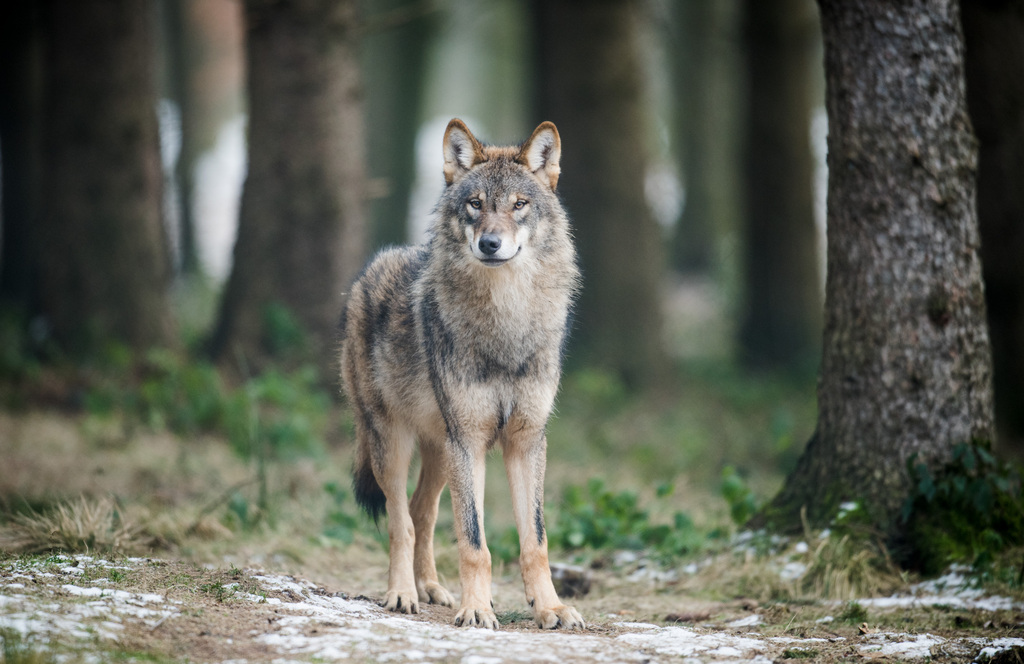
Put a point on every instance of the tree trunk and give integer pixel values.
(300, 231)
(592, 88)
(994, 35)
(19, 133)
(704, 85)
(906, 366)
(394, 54)
(781, 315)
(103, 259)
(179, 48)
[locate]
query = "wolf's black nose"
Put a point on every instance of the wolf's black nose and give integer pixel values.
(489, 244)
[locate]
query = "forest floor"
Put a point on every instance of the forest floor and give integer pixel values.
(176, 518)
(85, 608)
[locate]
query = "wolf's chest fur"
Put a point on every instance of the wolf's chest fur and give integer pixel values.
(502, 327)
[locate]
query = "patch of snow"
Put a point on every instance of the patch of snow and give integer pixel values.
(905, 645)
(636, 625)
(685, 642)
(750, 621)
(792, 571)
(655, 574)
(309, 624)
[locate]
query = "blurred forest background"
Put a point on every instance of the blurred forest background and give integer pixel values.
(190, 185)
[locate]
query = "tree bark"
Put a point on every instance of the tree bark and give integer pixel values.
(19, 110)
(103, 260)
(179, 49)
(591, 86)
(781, 316)
(394, 54)
(705, 85)
(300, 232)
(994, 35)
(906, 365)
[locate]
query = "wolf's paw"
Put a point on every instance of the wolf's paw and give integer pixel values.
(435, 593)
(558, 616)
(471, 617)
(401, 601)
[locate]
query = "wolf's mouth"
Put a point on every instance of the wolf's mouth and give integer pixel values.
(495, 262)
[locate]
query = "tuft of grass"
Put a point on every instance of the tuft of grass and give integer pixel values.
(82, 526)
(843, 567)
(514, 616)
(217, 590)
(853, 614)
(799, 653)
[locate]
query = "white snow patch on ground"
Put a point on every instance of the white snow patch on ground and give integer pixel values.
(903, 645)
(995, 646)
(952, 589)
(311, 624)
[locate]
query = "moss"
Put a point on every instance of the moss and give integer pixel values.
(969, 510)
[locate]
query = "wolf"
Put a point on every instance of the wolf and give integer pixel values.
(456, 347)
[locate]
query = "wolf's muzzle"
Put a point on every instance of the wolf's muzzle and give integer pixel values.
(489, 244)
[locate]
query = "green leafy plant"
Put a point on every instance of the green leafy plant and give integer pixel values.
(183, 396)
(281, 415)
(742, 502)
(282, 333)
(597, 518)
(969, 510)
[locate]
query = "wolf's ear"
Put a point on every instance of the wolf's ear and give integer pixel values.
(541, 153)
(461, 150)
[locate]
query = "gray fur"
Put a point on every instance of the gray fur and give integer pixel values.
(460, 350)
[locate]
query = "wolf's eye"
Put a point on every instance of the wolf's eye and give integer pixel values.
(520, 204)
(475, 203)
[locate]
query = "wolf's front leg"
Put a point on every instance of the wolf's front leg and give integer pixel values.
(524, 464)
(466, 485)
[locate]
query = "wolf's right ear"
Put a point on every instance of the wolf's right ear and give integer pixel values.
(541, 153)
(461, 150)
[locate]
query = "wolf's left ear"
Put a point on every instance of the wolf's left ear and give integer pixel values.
(461, 150)
(541, 153)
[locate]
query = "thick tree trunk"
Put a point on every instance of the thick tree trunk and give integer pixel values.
(906, 366)
(781, 314)
(300, 232)
(592, 88)
(103, 259)
(704, 82)
(994, 35)
(19, 112)
(394, 54)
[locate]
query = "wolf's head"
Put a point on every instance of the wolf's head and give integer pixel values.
(500, 201)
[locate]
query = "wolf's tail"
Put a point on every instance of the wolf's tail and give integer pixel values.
(367, 491)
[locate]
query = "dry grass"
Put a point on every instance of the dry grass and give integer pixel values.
(81, 526)
(831, 568)
(845, 568)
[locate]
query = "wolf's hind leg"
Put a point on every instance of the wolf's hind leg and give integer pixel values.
(391, 466)
(423, 508)
(524, 465)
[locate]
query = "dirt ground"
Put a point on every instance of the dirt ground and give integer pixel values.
(84, 608)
